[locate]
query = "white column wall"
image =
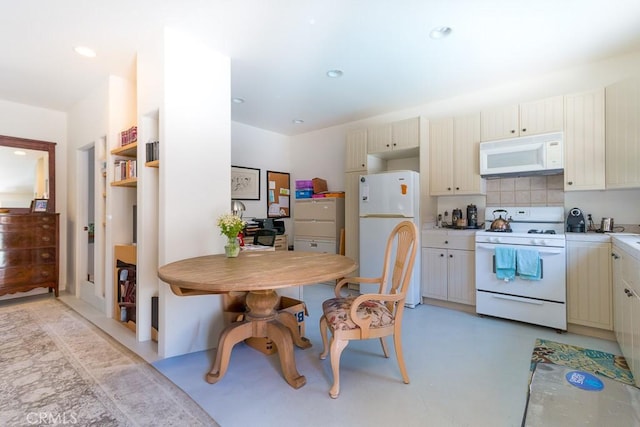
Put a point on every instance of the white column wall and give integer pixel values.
(195, 134)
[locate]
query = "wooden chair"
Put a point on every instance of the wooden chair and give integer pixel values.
(265, 237)
(370, 316)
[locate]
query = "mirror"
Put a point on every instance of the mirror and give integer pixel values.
(278, 194)
(26, 176)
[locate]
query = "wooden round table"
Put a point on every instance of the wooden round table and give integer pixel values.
(259, 273)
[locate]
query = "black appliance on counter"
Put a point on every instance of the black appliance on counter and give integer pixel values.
(275, 224)
(575, 221)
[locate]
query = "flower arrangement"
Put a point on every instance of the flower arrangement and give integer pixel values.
(230, 225)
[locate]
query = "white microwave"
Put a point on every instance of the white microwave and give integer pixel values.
(524, 156)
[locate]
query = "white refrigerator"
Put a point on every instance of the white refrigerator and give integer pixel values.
(385, 199)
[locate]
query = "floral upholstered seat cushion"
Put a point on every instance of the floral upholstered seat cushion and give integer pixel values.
(336, 310)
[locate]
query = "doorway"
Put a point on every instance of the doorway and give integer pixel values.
(89, 240)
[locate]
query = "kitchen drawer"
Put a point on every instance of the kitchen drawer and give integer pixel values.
(447, 240)
(313, 245)
(319, 209)
(313, 228)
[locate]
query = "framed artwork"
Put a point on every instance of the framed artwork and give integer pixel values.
(278, 195)
(39, 205)
(245, 183)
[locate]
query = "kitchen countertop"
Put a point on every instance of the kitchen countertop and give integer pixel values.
(628, 241)
(590, 236)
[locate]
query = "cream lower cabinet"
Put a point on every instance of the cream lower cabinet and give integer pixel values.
(589, 291)
(448, 266)
(626, 306)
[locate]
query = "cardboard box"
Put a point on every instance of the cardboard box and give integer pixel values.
(319, 185)
(286, 304)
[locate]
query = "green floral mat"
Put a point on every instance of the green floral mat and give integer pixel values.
(595, 361)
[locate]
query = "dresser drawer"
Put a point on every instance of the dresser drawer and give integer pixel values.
(21, 257)
(37, 238)
(14, 276)
(313, 228)
(28, 219)
(320, 209)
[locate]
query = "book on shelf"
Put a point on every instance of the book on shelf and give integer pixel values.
(153, 151)
(129, 136)
(125, 169)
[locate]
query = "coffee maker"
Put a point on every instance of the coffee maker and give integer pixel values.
(575, 221)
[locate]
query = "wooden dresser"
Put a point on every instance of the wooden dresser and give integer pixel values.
(29, 252)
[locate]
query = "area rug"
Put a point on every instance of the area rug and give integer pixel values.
(58, 368)
(595, 361)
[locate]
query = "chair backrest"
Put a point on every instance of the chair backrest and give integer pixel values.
(404, 237)
(265, 237)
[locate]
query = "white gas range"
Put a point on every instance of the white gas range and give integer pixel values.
(536, 237)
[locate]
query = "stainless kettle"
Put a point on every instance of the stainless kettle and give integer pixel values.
(500, 224)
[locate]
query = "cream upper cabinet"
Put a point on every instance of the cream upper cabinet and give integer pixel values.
(499, 123)
(356, 153)
(454, 145)
(589, 287)
(584, 141)
(400, 135)
(623, 134)
(542, 116)
(529, 118)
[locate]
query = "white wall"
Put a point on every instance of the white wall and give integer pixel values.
(195, 133)
(256, 148)
(24, 121)
(321, 153)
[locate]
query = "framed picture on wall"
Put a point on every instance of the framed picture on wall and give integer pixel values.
(245, 183)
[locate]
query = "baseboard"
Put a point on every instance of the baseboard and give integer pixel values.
(448, 304)
(591, 332)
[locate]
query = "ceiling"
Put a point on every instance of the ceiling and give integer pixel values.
(280, 50)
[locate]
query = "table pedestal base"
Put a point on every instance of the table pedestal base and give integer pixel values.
(261, 321)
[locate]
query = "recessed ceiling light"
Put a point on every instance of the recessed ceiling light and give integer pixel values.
(20, 153)
(334, 74)
(85, 51)
(440, 32)
(297, 121)
(237, 100)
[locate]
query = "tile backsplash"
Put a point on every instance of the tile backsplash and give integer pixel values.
(526, 191)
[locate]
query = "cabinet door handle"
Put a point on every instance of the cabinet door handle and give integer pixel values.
(450, 256)
(513, 131)
(524, 129)
(441, 255)
(570, 183)
(615, 256)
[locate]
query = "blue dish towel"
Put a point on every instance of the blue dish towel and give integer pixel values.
(528, 264)
(505, 263)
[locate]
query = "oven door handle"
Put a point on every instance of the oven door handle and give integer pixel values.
(512, 298)
(493, 258)
(558, 251)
